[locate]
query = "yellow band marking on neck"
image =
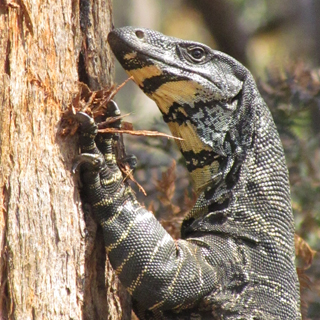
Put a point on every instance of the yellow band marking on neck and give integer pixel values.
(139, 75)
(202, 177)
(181, 92)
(191, 141)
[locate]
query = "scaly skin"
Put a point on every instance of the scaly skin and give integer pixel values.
(236, 256)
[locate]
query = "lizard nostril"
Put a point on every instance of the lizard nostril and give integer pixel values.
(140, 34)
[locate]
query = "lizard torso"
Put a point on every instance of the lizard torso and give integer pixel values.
(235, 258)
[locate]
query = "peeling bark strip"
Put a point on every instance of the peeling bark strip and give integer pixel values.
(50, 264)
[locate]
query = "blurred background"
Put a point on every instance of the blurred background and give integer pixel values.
(279, 41)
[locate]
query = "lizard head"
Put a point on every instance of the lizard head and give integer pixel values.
(199, 92)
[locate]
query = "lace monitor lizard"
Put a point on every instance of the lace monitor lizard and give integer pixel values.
(235, 258)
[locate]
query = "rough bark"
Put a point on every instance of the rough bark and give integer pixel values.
(52, 263)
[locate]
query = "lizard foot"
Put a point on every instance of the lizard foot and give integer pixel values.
(97, 163)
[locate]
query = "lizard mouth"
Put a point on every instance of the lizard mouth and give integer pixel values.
(134, 52)
(156, 75)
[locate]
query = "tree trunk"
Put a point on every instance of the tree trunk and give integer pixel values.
(52, 263)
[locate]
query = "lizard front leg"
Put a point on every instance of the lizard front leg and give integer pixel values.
(159, 272)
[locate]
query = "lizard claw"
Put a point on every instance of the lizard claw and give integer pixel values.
(113, 109)
(83, 118)
(85, 121)
(95, 160)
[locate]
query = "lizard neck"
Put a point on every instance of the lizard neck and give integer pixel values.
(232, 151)
(201, 161)
(204, 126)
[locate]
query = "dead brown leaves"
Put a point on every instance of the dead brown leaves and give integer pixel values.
(305, 256)
(303, 251)
(166, 187)
(95, 104)
(174, 212)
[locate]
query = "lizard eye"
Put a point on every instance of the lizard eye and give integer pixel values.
(194, 53)
(198, 54)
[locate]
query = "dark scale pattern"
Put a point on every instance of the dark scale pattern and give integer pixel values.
(236, 258)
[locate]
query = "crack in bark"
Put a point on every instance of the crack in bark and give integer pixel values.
(5, 301)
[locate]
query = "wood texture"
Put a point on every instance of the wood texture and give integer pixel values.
(52, 263)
